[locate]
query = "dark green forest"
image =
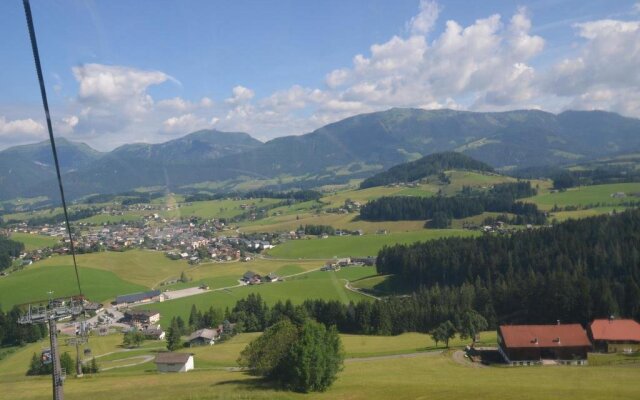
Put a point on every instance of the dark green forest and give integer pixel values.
(501, 198)
(574, 271)
(428, 165)
(9, 248)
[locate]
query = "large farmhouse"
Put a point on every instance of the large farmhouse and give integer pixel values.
(531, 344)
(615, 335)
(203, 337)
(174, 362)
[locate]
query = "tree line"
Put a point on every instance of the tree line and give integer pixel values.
(14, 334)
(501, 198)
(574, 271)
(422, 311)
(428, 165)
(8, 249)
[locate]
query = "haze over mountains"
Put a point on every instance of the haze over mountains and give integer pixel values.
(356, 146)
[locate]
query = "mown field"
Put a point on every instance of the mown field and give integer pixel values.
(587, 195)
(357, 246)
(314, 285)
(430, 375)
(33, 242)
(32, 284)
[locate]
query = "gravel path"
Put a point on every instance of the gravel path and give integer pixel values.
(458, 357)
(394, 356)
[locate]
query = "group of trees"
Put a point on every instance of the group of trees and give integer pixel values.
(297, 195)
(37, 367)
(14, 334)
(318, 229)
(420, 312)
(440, 210)
(304, 356)
(428, 165)
(573, 271)
(9, 248)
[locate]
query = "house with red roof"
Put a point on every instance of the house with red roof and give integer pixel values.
(615, 335)
(532, 344)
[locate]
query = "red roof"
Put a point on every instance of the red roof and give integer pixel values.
(532, 336)
(615, 329)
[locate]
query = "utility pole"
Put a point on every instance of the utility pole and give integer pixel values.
(50, 314)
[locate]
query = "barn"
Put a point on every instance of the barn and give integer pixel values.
(615, 335)
(541, 344)
(174, 362)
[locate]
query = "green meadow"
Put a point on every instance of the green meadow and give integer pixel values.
(357, 246)
(585, 195)
(384, 374)
(32, 284)
(33, 242)
(314, 285)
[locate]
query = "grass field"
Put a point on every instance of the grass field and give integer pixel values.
(585, 195)
(433, 376)
(356, 246)
(289, 222)
(33, 242)
(146, 268)
(32, 284)
(215, 208)
(314, 285)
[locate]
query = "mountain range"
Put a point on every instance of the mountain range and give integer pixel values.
(356, 146)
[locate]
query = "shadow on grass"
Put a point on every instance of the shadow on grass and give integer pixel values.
(252, 383)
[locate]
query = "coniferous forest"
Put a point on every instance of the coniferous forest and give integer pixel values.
(501, 198)
(574, 271)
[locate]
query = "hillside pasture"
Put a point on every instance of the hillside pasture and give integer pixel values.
(587, 195)
(314, 285)
(33, 284)
(357, 246)
(291, 222)
(430, 375)
(141, 267)
(34, 242)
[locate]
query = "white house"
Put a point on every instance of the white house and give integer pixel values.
(174, 362)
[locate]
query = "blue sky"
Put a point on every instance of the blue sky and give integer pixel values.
(127, 71)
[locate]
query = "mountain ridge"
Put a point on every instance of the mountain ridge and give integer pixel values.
(364, 142)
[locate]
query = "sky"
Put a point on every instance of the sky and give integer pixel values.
(124, 71)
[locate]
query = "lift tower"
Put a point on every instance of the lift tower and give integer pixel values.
(50, 314)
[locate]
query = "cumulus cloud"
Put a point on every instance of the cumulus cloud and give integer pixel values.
(604, 74)
(184, 124)
(27, 127)
(241, 94)
(423, 23)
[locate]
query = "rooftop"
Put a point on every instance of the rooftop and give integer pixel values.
(615, 329)
(172, 358)
(532, 336)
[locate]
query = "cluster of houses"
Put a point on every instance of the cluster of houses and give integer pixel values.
(178, 239)
(338, 263)
(252, 278)
(566, 344)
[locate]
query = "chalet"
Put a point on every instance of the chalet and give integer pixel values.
(251, 278)
(174, 362)
(142, 317)
(615, 335)
(203, 337)
(531, 344)
(145, 297)
(153, 333)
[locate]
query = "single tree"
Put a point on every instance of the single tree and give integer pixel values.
(444, 332)
(173, 336)
(471, 323)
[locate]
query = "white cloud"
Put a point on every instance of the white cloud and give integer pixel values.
(423, 23)
(176, 103)
(604, 74)
(184, 124)
(241, 94)
(27, 127)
